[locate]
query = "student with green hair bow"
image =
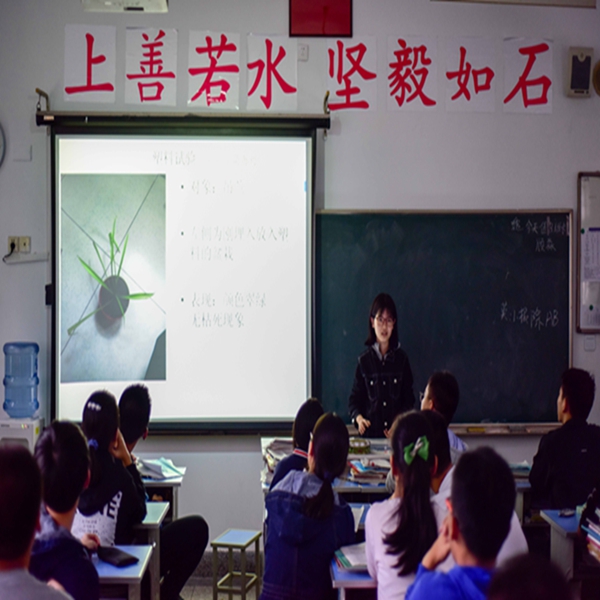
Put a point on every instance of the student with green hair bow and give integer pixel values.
(400, 530)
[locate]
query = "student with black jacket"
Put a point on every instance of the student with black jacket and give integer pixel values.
(115, 501)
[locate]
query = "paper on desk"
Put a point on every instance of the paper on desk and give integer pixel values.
(159, 468)
(355, 555)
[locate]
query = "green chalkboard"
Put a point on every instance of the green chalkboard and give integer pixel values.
(484, 295)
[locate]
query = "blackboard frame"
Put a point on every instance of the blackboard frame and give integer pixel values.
(504, 427)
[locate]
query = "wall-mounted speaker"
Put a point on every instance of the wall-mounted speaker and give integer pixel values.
(580, 72)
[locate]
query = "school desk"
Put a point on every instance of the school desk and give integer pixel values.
(129, 577)
(149, 533)
(348, 582)
(168, 489)
(563, 533)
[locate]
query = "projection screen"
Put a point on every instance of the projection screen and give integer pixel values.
(184, 263)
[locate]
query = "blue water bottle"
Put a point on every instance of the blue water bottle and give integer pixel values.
(21, 379)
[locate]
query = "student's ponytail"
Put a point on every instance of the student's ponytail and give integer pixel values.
(99, 423)
(411, 437)
(330, 444)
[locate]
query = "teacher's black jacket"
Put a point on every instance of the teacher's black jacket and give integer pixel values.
(382, 389)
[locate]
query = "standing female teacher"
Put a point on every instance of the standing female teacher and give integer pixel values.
(383, 382)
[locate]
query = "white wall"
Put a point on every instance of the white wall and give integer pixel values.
(377, 160)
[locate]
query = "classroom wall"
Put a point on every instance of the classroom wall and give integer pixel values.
(378, 160)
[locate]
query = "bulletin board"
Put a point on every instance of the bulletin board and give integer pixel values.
(588, 253)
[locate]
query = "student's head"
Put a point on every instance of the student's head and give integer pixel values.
(20, 497)
(62, 455)
(482, 501)
(442, 395)
(306, 418)
(100, 420)
(441, 443)
(383, 321)
(413, 461)
(529, 577)
(327, 457)
(134, 413)
(100, 424)
(576, 396)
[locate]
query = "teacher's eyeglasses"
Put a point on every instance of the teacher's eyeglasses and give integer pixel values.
(383, 321)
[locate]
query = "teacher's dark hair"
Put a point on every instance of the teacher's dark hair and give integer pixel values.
(100, 423)
(382, 303)
(330, 445)
(416, 528)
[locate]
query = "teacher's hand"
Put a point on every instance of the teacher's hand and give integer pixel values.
(363, 424)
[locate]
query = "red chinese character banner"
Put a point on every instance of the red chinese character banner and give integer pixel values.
(411, 73)
(272, 73)
(151, 66)
(527, 75)
(214, 70)
(470, 74)
(90, 58)
(352, 74)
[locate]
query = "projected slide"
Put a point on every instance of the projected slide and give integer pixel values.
(184, 263)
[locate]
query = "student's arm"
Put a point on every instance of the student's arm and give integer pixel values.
(357, 403)
(370, 533)
(439, 550)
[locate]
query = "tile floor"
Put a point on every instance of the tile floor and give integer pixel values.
(200, 588)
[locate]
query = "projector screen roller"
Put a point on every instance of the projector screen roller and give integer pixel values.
(184, 263)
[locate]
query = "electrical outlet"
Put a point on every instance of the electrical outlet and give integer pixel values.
(13, 239)
(25, 244)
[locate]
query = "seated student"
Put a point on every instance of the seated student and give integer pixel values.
(441, 483)
(115, 500)
(481, 505)
(304, 423)
(20, 497)
(183, 541)
(566, 467)
(307, 521)
(399, 530)
(529, 577)
(62, 455)
(442, 395)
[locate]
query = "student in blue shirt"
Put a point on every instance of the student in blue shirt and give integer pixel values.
(308, 414)
(480, 510)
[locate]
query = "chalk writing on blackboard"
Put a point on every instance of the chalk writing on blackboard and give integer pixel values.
(180, 158)
(544, 245)
(535, 318)
(545, 226)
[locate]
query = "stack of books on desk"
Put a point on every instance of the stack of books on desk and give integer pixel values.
(276, 451)
(352, 558)
(591, 526)
(159, 468)
(368, 470)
